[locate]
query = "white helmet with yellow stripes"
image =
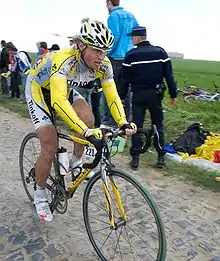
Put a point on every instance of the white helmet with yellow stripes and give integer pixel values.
(96, 34)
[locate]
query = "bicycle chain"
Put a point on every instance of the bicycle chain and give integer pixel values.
(59, 198)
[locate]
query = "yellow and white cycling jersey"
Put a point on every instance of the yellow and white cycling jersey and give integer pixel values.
(52, 73)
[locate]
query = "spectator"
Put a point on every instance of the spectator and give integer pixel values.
(15, 77)
(39, 53)
(4, 62)
(11, 60)
(43, 49)
(144, 68)
(54, 47)
(120, 22)
(71, 42)
(22, 64)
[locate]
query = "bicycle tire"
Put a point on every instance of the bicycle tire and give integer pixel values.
(190, 98)
(161, 256)
(217, 99)
(21, 155)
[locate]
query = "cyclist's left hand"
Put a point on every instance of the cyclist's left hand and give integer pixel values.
(129, 128)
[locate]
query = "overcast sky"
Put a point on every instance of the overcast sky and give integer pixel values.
(188, 26)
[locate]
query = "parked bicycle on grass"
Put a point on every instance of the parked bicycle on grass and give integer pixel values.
(192, 93)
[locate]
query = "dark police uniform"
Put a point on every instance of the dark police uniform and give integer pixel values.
(144, 68)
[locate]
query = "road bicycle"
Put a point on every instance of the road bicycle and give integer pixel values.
(191, 89)
(215, 97)
(121, 218)
(205, 96)
(193, 93)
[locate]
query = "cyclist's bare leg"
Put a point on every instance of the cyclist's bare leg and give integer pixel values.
(48, 140)
(84, 112)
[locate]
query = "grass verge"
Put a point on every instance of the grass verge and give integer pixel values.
(188, 173)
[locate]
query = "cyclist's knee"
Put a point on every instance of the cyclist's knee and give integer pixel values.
(48, 140)
(48, 151)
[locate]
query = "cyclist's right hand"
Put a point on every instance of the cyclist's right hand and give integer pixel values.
(96, 133)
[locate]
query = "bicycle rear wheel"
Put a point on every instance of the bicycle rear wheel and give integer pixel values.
(29, 152)
(142, 237)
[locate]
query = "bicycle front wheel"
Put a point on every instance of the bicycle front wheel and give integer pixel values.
(141, 237)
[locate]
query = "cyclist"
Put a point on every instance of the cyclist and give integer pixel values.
(47, 89)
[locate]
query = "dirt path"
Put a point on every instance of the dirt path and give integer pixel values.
(191, 215)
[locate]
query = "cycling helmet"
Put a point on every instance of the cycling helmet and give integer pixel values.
(95, 34)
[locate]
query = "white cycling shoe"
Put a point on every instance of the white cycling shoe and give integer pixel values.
(42, 205)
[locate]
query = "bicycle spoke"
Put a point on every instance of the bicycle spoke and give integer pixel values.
(117, 243)
(101, 221)
(106, 239)
(27, 170)
(25, 157)
(136, 233)
(134, 250)
(102, 204)
(103, 207)
(129, 242)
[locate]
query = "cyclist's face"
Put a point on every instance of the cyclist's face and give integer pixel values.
(94, 57)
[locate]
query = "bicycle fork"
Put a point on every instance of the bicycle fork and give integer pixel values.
(119, 204)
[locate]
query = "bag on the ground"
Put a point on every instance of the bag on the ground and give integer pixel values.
(193, 137)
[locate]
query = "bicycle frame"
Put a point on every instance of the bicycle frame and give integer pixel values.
(85, 172)
(73, 186)
(209, 98)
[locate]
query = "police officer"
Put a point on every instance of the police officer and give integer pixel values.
(144, 68)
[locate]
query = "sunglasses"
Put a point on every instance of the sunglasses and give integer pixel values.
(100, 50)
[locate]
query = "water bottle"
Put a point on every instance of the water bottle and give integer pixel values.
(63, 161)
(65, 166)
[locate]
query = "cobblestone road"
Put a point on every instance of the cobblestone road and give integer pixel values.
(191, 215)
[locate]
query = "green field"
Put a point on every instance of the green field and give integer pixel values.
(199, 73)
(197, 66)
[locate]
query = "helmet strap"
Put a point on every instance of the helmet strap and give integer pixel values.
(82, 53)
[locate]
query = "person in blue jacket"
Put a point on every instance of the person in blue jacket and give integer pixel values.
(120, 22)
